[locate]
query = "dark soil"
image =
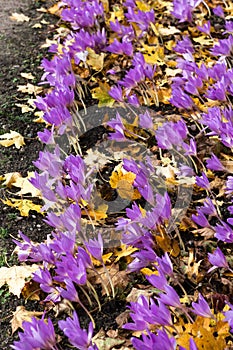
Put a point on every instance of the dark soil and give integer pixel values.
(20, 52)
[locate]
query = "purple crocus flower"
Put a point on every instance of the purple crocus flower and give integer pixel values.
(218, 11)
(77, 336)
(184, 46)
(70, 293)
(217, 92)
(200, 219)
(224, 232)
(229, 317)
(158, 281)
(46, 136)
(71, 267)
(165, 264)
(171, 298)
(124, 48)
(116, 93)
(202, 181)
(133, 100)
(201, 308)
(224, 47)
(38, 334)
(145, 120)
(214, 163)
(217, 259)
(229, 185)
(170, 134)
(228, 27)
(205, 28)
(95, 247)
(119, 128)
(141, 18)
(180, 99)
(146, 312)
(155, 342)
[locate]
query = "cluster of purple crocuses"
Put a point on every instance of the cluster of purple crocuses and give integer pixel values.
(63, 180)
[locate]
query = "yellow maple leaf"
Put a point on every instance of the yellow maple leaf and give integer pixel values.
(23, 205)
(124, 185)
(96, 61)
(101, 93)
(105, 257)
(12, 138)
(143, 6)
(124, 252)
(153, 54)
(25, 186)
(15, 277)
(96, 214)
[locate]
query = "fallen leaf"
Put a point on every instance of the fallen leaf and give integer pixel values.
(15, 277)
(12, 138)
(119, 278)
(21, 315)
(31, 291)
(108, 343)
(96, 61)
(48, 43)
(124, 185)
(37, 25)
(54, 10)
(23, 205)
(27, 76)
(24, 108)
(136, 293)
(10, 179)
(125, 251)
(25, 185)
(30, 89)
(19, 17)
(101, 93)
(170, 30)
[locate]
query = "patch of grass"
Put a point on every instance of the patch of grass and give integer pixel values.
(12, 216)
(3, 232)
(3, 258)
(4, 294)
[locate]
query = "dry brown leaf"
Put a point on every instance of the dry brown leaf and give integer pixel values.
(31, 290)
(12, 138)
(136, 293)
(106, 343)
(206, 232)
(19, 17)
(15, 277)
(21, 315)
(119, 278)
(122, 318)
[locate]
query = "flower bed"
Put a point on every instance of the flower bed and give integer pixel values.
(168, 174)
